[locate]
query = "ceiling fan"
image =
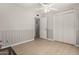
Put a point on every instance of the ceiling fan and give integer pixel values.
(47, 7)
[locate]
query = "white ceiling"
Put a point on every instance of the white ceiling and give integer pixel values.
(58, 6)
(61, 6)
(28, 5)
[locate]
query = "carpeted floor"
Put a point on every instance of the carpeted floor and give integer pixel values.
(45, 47)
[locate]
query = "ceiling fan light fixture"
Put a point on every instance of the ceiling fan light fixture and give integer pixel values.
(46, 10)
(47, 7)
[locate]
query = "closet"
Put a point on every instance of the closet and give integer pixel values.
(64, 26)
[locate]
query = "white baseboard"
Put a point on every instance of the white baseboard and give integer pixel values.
(51, 39)
(17, 43)
(48, 39)
(77, 45)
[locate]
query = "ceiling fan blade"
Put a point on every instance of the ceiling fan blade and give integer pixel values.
(40, 9)
(50, 5)
(42, 4)
(53, 9)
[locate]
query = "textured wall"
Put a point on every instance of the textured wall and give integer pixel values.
(50, 34)
(12, 37)
(50, 25)
(16, 24)
(77, 27)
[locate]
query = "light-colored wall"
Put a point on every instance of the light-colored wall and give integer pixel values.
(50, 25)
(77, 27)
(15, 21)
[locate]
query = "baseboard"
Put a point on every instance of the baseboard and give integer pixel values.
(17, 43)
(48, 39)
(51, 39)
(77, 45)
(63, 42)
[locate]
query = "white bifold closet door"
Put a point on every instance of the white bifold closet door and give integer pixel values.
(58, 27)
(64, 27)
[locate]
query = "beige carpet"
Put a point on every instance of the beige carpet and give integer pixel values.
(45, 47)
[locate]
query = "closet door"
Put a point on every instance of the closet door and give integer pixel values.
(64, 27)
(58, 27)
(69, 27)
